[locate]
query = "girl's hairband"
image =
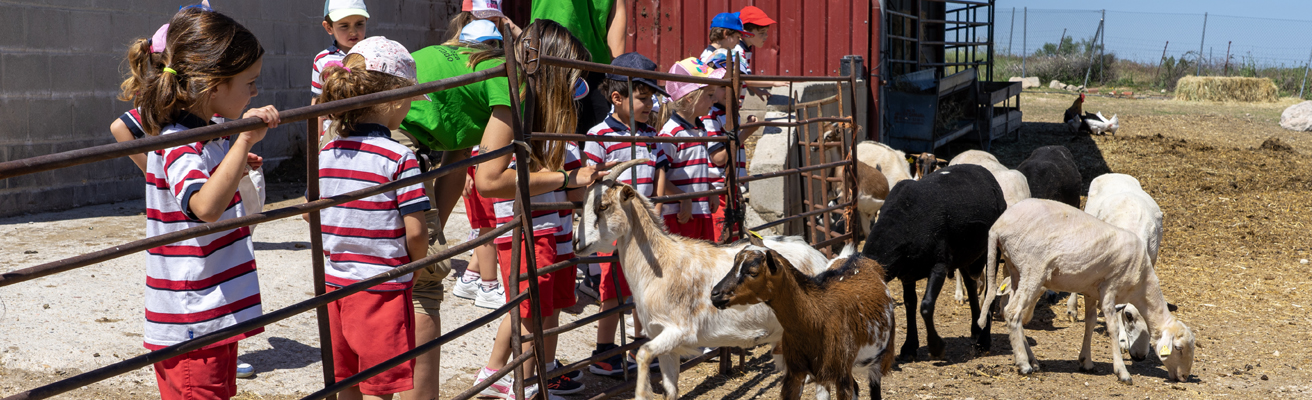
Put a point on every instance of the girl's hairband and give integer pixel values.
(337, 63)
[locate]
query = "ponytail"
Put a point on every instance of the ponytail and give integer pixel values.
(204, 50)
(351, 79)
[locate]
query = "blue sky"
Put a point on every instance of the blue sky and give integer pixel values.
(1266, 31)
(1286, 9)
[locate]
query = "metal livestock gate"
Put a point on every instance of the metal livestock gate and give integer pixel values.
(518, 226)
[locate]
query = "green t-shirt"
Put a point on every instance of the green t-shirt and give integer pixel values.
(456, 117)
(586, 19)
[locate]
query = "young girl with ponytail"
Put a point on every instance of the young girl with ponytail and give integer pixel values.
(197, 286)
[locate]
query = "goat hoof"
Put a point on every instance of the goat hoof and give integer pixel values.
(1086, 366)
(1127, 379)
(1071, 316)
(1026, 370)
(906, 356)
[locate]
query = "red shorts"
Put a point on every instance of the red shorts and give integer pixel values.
(556, 288)
(607, 288)
(369, 328)
(698, 227)
(479, 209)
(718, 217)
(209, 373)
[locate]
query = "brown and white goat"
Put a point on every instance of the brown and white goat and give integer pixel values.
(671, 279)
(836, 324)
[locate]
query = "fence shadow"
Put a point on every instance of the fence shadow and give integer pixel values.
(283, 354)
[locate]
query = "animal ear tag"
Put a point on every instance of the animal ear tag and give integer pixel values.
(1165, 350)
(1003, 288)
(758, 236)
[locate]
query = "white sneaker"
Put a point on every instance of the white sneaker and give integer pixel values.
(504, 388)
(490, 296)
(466, 287)
(244, 370)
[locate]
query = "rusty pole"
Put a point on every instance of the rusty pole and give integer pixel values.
(316, 250)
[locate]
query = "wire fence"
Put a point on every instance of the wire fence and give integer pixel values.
(519, 225)
(1150, 49)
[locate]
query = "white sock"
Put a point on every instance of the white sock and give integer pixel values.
(471, 275)
(492, 284)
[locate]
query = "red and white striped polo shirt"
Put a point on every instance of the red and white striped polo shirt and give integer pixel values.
(195, 286)
(598, 153)
(714, 123)
(366, 237)
(332, 53)
(686, 165)
(744, 57)
(545, 222)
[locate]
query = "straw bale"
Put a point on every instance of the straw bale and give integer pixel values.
(1213, 88)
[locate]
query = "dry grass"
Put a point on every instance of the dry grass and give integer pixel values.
(1211, 88)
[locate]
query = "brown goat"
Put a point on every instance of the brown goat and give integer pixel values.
(835, 324)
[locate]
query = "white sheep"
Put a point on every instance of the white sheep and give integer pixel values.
(671, 279)
(1051, 244)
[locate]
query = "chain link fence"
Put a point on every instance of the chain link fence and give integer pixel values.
(1150, 50)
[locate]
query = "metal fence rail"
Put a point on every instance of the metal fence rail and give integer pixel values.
(514, 70)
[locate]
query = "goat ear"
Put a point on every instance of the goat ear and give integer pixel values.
(627, 193)
(1120, 307)
(771, 262)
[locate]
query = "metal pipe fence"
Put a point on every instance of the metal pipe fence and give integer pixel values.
(514, 70)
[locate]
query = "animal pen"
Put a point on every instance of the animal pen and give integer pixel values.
(815, 171)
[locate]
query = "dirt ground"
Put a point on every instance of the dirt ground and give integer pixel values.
(1236, 190)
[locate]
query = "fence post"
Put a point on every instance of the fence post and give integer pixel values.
(1305, 67)
(1226, 70)
(1102, 49)
(1088, 71)
(1024, 38)
(1160, 61)
(1061, 41)
(1199, 70)
(316, 251)
(1012, 34)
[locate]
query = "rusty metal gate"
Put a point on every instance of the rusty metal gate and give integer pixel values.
(512, 69)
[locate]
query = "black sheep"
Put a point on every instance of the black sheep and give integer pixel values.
(929, 229)
(1053, 175)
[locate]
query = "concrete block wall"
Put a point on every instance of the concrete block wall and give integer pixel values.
(61, 62)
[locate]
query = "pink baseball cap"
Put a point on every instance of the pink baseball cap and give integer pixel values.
(387, 56)
(694, 67)
(485, 9)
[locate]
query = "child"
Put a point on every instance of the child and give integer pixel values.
(731, 39)
(198, 286)
(683, 167)
(477, 10)
(370, 236)
(629, 106)
(473, 284)
(345, 21)
(554, 175)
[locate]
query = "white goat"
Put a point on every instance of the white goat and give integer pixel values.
(1014, 189)
(1051, 244)
(671, 279)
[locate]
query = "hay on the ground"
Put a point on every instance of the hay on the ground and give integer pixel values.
(1213, 88)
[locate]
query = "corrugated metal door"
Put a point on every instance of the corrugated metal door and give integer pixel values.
(810, 39)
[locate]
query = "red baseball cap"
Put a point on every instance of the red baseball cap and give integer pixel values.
(755, 16)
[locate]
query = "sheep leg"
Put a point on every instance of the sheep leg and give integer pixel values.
(932, 289)
(960, 294)
(1021, 298)
(1090, 320)
(1113, 325)
(982, 336)
(909, 347)
(1071, 302)
(669, 375)
(664, 343)
(793, 382)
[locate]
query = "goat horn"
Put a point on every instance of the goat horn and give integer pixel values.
(619, 169)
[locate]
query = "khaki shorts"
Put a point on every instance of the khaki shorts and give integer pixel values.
(428, 289)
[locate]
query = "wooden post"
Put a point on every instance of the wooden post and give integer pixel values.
(316, 250)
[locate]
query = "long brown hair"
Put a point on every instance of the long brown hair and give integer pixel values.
(354, 80)
(555, 110)
(456, 25)
(205, 49)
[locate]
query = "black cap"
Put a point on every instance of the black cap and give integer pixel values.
(636, 61)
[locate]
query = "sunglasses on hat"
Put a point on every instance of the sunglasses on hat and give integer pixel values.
(580, 89)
